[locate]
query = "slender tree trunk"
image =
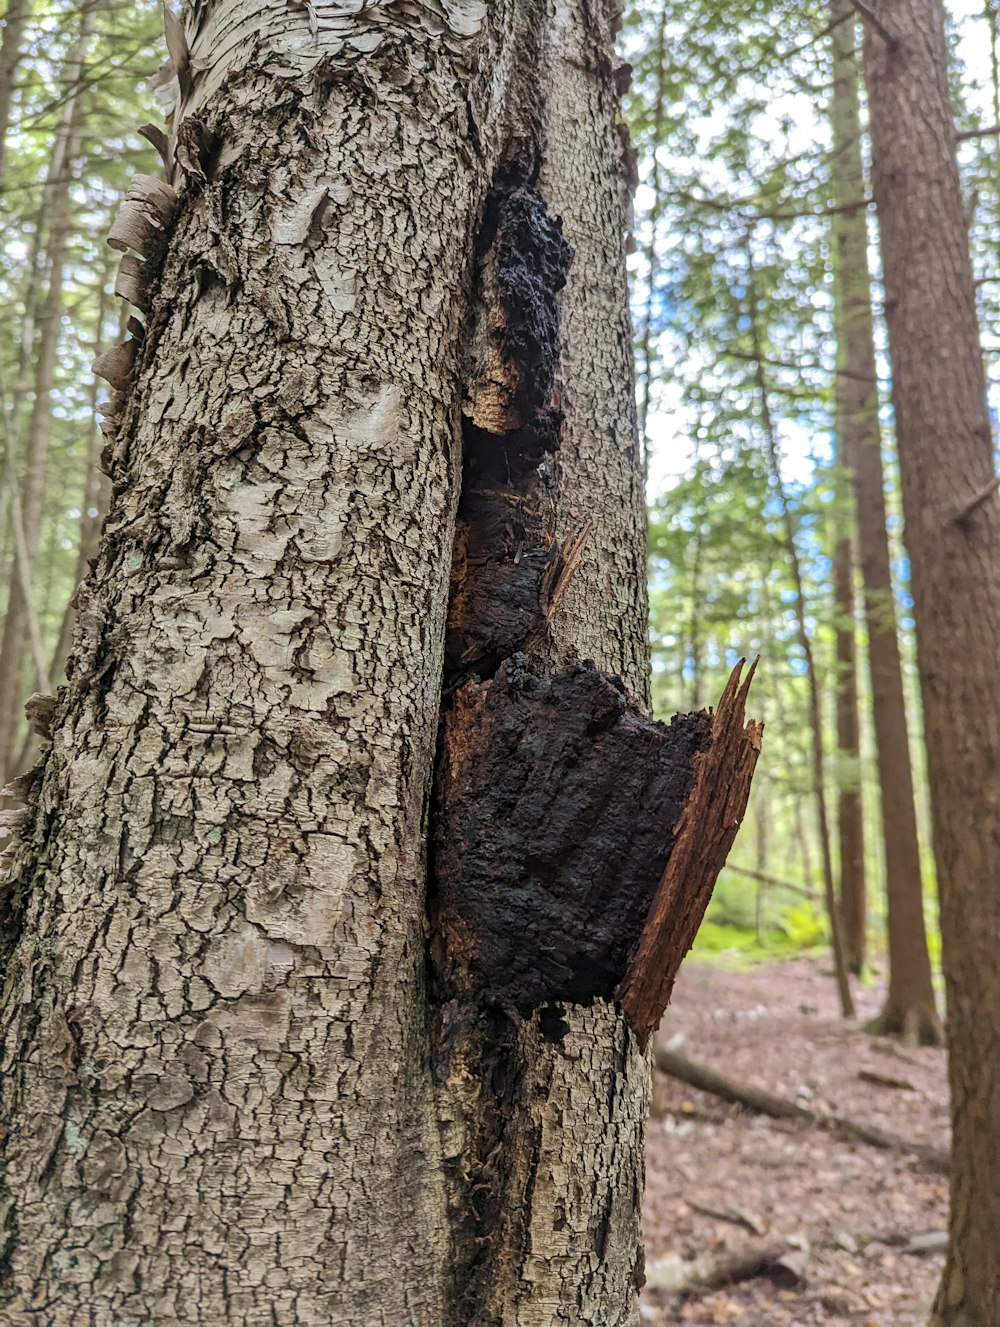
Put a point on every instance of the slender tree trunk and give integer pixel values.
(695, 623)
(910, 1008)
(94, 492)
(10, 57)
(20, 621)
(646, 334)
(234, 1088)
(850, 813)
(93, 509)
(952, 516)
(815, 708)
(850, 810)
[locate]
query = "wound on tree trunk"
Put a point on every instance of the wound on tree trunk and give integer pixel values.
(508, 571)
(576, 842)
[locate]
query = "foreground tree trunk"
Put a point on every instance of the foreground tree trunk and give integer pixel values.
(952, 519)
(236, 1088)
(910, 1009)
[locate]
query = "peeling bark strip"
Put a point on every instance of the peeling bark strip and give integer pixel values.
(703, 838)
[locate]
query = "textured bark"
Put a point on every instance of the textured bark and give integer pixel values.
(222, 908)
(952, 517)
(910, 1008)
(532, 906)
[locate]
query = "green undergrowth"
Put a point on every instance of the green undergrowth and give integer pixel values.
(729, 946)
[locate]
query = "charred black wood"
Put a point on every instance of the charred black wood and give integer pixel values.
(556, 805)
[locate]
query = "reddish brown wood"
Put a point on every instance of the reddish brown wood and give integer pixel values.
(704, 836)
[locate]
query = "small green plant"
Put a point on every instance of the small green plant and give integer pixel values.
(803, 925)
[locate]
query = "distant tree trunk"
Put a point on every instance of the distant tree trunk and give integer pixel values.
(10, 58)
(850, 813)
(93, 498)
(57, 215)
(850, 810)
(695, 622)
(952, 517)
(910, 1008)
(815, 708)
(646, 336)
(301, 1026)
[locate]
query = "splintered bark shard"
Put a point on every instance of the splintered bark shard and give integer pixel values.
(703, 837)
(576, 841)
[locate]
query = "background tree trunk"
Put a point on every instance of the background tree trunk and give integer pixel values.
(953, 536)
(910, 1008)
(850, 817)
(20, 621)
(815, 709)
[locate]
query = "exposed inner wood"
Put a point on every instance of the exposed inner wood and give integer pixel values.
(711, 818)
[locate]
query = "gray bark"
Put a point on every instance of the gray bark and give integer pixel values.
(215, 1016)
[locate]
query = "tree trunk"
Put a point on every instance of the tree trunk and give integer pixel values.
(952, 517)
(910, 1009)
(815, 709)
(93, 497)
(370, 352)
(20, 623)
(646, 337)
(10, 57)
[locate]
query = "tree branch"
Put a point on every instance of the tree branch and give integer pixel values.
(869, 16)
(977, 501)
(705, 1079)
(990, 132)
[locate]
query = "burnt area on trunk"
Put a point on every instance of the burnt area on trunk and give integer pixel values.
(505, 553)
(556, 804)
(555, 800)
(556, 807)
(533, 260)
(506, 560)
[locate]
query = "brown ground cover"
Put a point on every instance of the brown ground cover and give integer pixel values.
(845, 1209)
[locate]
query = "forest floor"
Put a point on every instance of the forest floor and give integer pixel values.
(846, 1209)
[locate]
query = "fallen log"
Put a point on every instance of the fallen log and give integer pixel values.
(782, 1264)
(756, 1099)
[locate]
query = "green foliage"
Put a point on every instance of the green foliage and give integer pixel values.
(732, 290)
(803, 925)
(109, 94)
